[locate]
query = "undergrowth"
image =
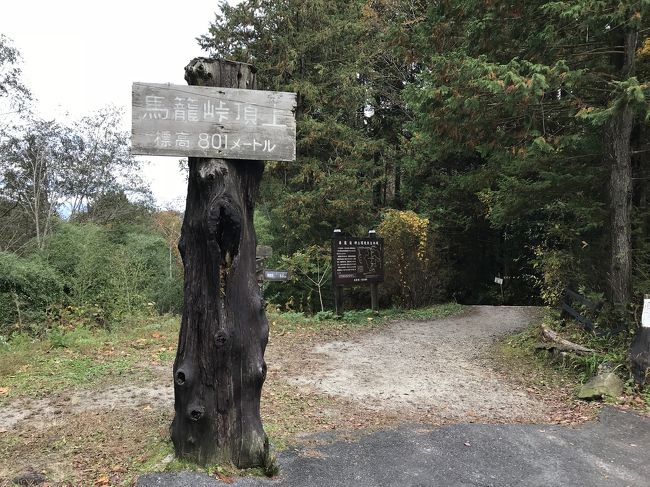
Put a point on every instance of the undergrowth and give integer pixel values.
(283, 322)
(520, 350)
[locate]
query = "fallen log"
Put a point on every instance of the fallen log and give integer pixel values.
(560, 343)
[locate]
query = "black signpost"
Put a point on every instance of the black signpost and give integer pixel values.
(357, 260)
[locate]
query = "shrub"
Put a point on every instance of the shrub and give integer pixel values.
(415, 274)
(28, 286)
(109, 274)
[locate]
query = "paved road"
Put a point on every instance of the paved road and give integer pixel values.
(614, 451)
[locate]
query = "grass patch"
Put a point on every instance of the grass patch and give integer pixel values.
(288, 322)
(517, 352)
(83, 358)
(542, 370)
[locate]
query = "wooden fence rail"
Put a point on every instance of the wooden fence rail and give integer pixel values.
(569, 307)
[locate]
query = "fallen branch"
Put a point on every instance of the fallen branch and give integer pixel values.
(560, 343)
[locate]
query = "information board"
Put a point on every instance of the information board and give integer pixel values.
(357, 260)
(201, 121)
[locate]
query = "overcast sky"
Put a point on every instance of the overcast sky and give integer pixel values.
(81, 55)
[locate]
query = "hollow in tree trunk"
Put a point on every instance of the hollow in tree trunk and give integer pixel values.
(219, 368)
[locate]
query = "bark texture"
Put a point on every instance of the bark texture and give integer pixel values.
(620, 190)
(219, 368)
(640, 356)
(618, 136)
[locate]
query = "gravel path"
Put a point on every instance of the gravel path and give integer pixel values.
(439, 365)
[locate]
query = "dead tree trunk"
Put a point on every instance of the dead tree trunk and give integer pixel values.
(219, 368)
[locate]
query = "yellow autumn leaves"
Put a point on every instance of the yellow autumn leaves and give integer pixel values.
(407, 250)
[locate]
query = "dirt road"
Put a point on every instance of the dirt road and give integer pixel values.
(439, 365)
(345, 381)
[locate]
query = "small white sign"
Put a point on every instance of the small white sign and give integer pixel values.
(498, 280)
(645, 317)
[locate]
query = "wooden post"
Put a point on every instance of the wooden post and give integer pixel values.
(219, 368)
(338, 300)
(374, 296)
(338, 289)
(374, 286)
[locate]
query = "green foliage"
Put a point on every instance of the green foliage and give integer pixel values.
(310, 271)
(87, 276)
(610, 349)
(355, 319)
(413, 265)
(262, 225)
(345, 160)
(514, 118)
(556, 270)
(28, 287)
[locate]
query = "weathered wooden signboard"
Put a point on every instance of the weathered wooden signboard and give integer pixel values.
(202, 121)
(274, 275)
(357, 260)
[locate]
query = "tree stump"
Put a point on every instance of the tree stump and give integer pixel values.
(640, 357)
(219, 368)
(640, 352)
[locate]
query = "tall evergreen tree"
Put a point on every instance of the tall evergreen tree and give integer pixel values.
(543, 96)
(326, 52)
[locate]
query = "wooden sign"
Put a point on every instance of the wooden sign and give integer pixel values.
(264, 252)
(201, 121)
(357, 260)
(271, 275)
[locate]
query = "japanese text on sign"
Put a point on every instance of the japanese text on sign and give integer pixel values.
(213, 122)
(357, 260)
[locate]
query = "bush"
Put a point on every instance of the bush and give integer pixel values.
(109, 274)
(28, 286)
(415, 274)
(81, 254)
(556, 269)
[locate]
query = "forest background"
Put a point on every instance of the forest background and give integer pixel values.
(481, 140)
